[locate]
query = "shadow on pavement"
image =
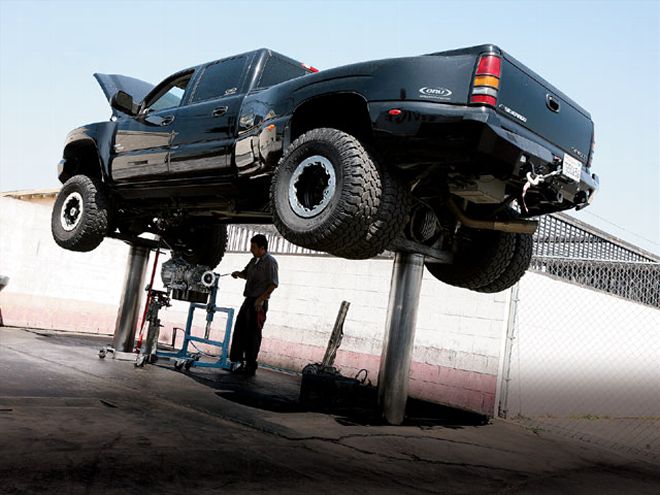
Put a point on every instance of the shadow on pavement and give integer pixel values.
(350, 404)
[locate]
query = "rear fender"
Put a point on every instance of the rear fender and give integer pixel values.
(346, 111)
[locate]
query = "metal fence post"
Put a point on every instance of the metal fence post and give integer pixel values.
(503, 409)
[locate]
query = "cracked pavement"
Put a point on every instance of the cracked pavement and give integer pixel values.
(73, 423)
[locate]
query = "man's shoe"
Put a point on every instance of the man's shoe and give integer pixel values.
(238, 368)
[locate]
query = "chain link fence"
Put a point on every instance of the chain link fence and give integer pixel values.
(574, 251)
(583, 346)
(239, 240)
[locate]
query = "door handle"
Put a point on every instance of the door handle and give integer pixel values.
(167, 120)
(217, 112)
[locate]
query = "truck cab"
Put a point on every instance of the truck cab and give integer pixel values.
(186, 126)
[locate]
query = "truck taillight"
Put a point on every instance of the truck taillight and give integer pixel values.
(489, 64)
(486, 81)
(310, 68)
(592, 151)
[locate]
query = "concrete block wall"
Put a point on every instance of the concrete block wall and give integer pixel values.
(50, 287)
(459, 333)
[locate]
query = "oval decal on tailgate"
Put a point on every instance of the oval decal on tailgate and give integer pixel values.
(435, 92)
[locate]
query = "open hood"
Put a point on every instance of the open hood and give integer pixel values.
(111, 83)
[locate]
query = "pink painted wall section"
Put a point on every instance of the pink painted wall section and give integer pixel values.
(25, 310)
(467, 390)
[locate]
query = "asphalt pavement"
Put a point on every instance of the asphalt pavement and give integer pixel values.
(73, 423)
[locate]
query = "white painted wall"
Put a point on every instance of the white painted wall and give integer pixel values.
(39, 267)
(459, 333)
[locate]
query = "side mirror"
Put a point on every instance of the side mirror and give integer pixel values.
(124, 103)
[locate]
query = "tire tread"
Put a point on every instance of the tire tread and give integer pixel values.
(96, 215)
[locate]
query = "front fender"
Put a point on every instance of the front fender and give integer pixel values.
(87, 151)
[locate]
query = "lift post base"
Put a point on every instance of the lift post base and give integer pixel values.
(118, 355)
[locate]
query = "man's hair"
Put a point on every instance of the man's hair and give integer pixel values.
(261, 241)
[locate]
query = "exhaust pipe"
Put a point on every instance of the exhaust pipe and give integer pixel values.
(422, 225)
(513, 226)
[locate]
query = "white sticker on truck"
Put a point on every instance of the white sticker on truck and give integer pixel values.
(571, 168)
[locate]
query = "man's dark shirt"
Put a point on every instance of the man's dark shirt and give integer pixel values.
(261, 273)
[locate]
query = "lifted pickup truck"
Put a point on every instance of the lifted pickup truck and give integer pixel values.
(449, 154)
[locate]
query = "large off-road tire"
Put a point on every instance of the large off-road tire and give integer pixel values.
(80, 217)
(198, 244)
(387, 223)
(482, 256)
(522, 257)
(328, 194)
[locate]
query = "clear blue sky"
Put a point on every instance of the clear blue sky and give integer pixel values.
(602, 54)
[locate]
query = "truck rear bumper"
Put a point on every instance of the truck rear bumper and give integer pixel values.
(415, 135)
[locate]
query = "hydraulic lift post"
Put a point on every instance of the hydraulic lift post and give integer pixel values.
(399, 336)
(129, 306)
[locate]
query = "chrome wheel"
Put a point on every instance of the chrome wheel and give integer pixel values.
(312, 186)
(72, 211)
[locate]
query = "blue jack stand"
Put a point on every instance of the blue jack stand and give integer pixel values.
(183, 358)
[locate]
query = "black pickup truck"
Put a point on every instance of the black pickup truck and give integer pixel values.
(449, 154)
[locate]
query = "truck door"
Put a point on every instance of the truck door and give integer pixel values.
(142, 142)
(204, 129)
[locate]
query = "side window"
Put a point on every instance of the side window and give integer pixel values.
(220, 79)
(278, 70)
(170, 96)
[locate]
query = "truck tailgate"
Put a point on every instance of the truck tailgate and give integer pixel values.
(527, 99)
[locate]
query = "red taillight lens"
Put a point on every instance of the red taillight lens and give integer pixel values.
(486, 83)
(490, 65)
(310, 68)
(488, 100)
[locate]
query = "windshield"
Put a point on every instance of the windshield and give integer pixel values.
(170, 94)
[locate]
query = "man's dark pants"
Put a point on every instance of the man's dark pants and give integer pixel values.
(246, 340)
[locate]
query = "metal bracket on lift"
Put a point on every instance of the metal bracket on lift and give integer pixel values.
(136, 241)
(431, 253)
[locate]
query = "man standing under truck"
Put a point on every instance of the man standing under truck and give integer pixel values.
(261, 280)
